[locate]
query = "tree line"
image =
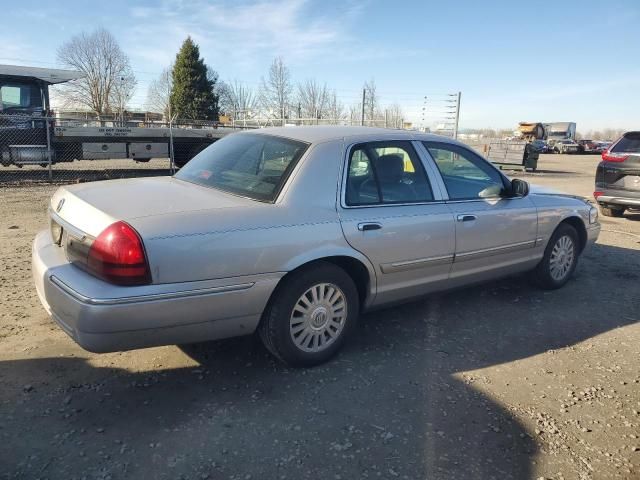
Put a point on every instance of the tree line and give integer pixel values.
(189, 89)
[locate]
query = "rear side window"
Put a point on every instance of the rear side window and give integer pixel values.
(386, 173)
(629, 143)
(254, 166)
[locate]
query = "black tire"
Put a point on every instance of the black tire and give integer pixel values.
(542, 274)
(609, 211)
(274, 328)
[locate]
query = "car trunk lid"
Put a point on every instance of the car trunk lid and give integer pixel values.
(91, 207)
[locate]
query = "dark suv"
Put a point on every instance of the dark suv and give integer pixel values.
(618, 176)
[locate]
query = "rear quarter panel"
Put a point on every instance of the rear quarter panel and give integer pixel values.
(262, 238)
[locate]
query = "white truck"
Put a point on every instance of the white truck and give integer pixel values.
(29, 135)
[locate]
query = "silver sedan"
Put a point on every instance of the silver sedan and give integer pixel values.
(292, 232)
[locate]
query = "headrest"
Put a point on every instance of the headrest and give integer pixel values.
(390, 168)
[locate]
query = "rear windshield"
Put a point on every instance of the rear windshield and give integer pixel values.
(629, 143)
(254, 166)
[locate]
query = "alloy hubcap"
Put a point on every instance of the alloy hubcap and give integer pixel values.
(318, 317)
(561, 258)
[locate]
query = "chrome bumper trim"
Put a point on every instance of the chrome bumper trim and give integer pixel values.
(619, 200)
(147, 298)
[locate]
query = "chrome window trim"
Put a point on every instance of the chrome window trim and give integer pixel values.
(345, 173)
(149, 297)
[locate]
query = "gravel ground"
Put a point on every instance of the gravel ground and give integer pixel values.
(496, 381)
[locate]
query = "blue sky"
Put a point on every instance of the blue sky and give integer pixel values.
(567, 61)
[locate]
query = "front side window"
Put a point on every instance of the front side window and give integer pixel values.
(18, 95)
(250, 165)
(386, 173)
(466, 175)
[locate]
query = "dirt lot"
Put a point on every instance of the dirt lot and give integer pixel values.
(497, 381)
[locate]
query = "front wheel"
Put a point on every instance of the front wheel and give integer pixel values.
(560, 259)
(310, 315)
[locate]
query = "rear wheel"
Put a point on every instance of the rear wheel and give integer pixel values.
(559, 260)
(310, 315)
(609, 211)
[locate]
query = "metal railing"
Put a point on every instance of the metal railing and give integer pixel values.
(70, 149)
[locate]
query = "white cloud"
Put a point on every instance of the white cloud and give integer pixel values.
(243, 33)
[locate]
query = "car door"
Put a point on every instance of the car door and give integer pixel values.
(495, 235)
(391, 213)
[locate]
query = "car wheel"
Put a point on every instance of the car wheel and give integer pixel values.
(559, 260)
(609, 211)
(310, 315)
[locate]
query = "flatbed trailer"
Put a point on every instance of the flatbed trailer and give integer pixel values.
(31, 135)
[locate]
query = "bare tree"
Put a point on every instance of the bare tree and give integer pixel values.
(335, 109)
(106, 68)
(355, 112)
(160, 91)
(122, 91)
(276, 89)
(371, 102)
(313, 99)
(238, 100)
(394, 116)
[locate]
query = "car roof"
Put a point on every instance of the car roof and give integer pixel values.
(323, 133)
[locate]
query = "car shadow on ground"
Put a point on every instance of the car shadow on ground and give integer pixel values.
(394, 404)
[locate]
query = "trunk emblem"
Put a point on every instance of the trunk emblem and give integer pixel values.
(60, 205)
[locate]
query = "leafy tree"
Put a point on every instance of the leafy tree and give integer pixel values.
(193, 95)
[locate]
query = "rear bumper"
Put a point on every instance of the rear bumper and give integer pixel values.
(622, 198)
(104, 318)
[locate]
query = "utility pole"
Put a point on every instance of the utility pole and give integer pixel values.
(364, 96)
(455, 128)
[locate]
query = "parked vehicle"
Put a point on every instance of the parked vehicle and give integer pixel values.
(602, 146)
(560, 130)
(587, 146)
(618, 176)
(565, 146)
(540, 146)
(26, 133)
(293, 232)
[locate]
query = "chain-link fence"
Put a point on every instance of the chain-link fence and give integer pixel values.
(78, 148)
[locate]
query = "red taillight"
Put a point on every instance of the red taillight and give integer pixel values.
(118, 256)
(597, 193)
(614, 157)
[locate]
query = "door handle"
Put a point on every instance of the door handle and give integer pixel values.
(465, 217)
(363, 227)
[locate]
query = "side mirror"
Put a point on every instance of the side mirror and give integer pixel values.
(519, 188)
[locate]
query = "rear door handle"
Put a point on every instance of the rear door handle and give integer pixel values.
(465, 217)
(363, 227)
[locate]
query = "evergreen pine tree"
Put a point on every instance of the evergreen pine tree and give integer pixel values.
(193, 94)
